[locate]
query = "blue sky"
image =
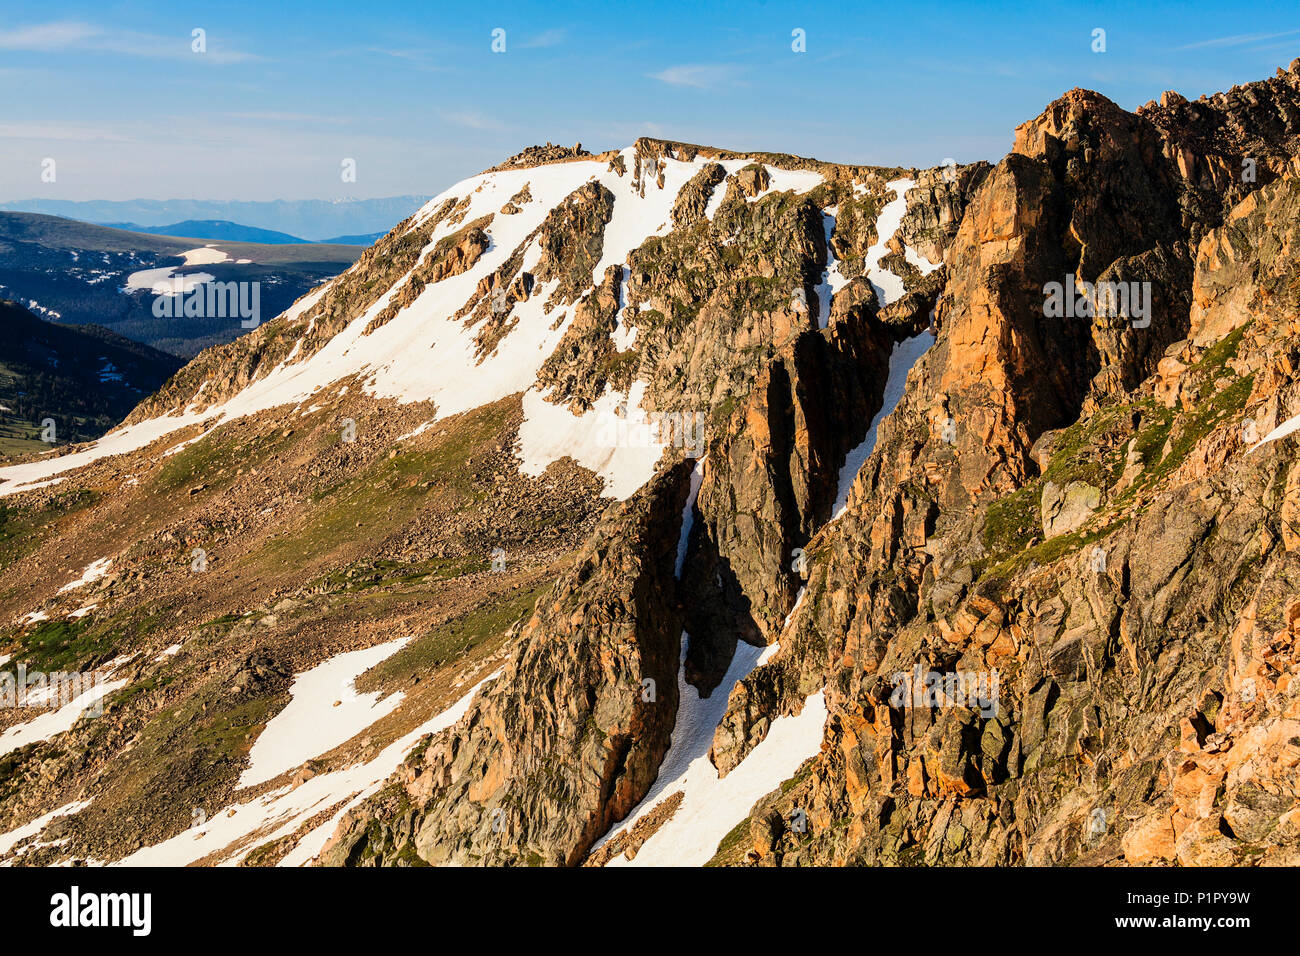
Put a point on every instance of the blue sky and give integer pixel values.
(286, 90)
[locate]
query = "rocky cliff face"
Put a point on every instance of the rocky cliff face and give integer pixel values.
(1095, 530)
(570, 735)
(953, 520)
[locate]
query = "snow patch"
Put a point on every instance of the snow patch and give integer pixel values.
(282, 812)
(11, 839)
(204, 255)
(798, 181)
(924, 265)
(711, 806)
(832, 279)
(325, 710)
(688, 517)
(904, 355)
(163, 282)
(624, 336)
(56, 721)
(420, 430)
(621, 449)
(1288, 427)
(888, 286)
(93, 572)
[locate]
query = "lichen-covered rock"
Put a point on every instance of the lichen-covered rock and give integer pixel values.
(691, 202)
(1066, 508)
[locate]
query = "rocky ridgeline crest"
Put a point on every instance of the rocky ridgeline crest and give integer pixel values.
(1010, 546)
(1087, 519)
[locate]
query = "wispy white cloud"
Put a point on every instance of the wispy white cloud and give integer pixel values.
(272, 116)
(64, 132)
(413, 53)
(701, 76)
(1239, 39)
(76, 36)
(470, 120)
(47, 36)
(546, 38)
(421, 58)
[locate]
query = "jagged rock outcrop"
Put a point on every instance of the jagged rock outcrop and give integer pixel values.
(451, 256)
(1056, 623)
(570, 240)
(1227, 145)
(1057, 535)
(1106, 632)
(540, 155)
(771, 480)
(936, 210)
(712, 302)
(587, 361)
(719, 326)
(568, 738)
(691, 202)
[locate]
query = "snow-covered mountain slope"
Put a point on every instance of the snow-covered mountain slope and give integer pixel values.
(426, 351)
(1054, 530)
(423, 446)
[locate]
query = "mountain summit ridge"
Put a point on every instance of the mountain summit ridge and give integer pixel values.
(940, 578)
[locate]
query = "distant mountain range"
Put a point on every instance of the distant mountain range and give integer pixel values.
(318, 220)
(80, 273)
(236, 232)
